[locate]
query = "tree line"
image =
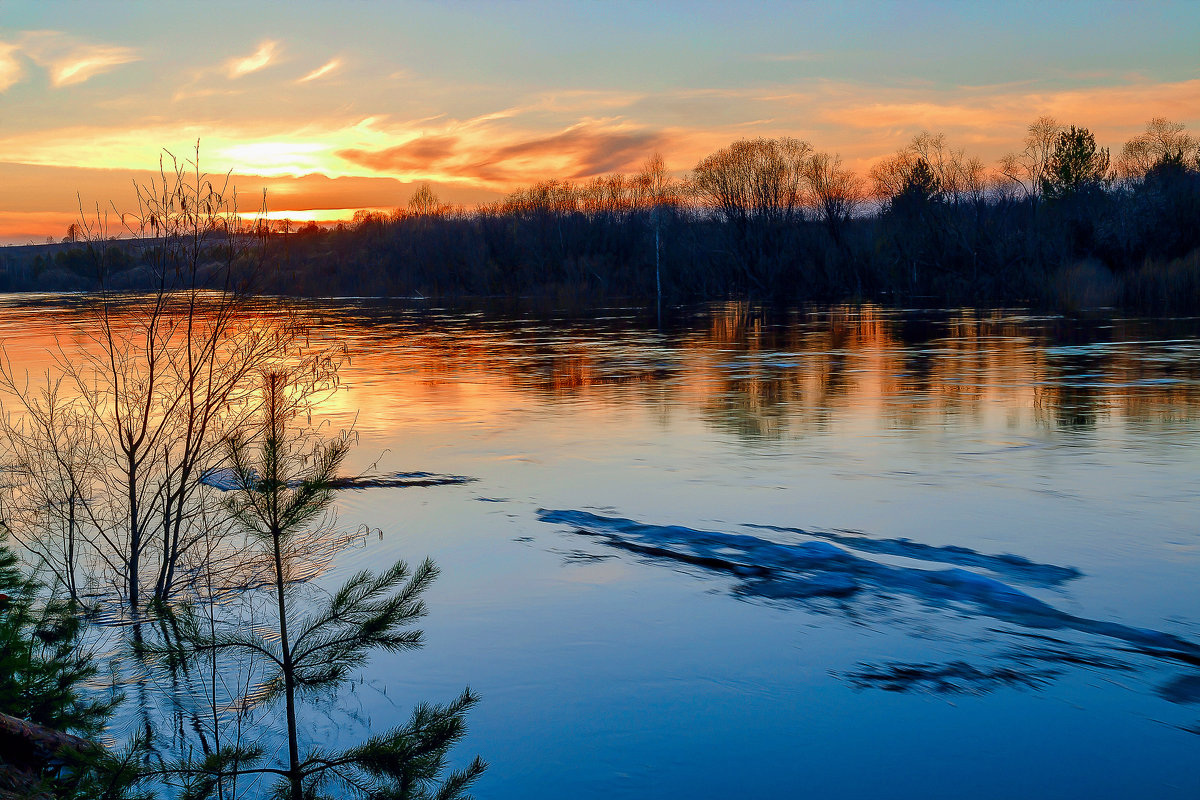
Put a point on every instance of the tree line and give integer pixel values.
(1059, 222)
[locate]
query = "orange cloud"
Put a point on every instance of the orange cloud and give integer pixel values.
(424, 152)
(591, 152)
(999, 117)
(581, 151)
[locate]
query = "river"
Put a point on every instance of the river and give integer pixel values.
(830, 551)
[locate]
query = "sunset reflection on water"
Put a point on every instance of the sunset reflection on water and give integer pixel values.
(1067, 441)
(753, 372)
(762, 376)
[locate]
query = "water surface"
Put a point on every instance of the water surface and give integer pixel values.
(912, 441)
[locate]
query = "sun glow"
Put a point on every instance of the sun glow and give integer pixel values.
(325, 216)
(274, 158)
(333, 124)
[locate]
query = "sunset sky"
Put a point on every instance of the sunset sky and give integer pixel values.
(341, 105)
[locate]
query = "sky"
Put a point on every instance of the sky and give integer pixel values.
(334, 106)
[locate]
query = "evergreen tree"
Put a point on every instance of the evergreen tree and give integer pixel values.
(284, 478)
(1075, 164)
(919, 190)
(50, 715)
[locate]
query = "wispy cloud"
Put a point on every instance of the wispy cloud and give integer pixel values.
(83, 63)
(1102, 108)
(320, 72)
(584, 150)
(10, 67)
(423, 152)
(499, 160)
(526, 138)
(193, 91)
(260, 58)
(66, 59)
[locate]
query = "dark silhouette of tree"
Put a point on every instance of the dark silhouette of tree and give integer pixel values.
(1027, 169)
(835, 192)
(1163, 142)
(757, 188)
(907, 174)
(919, 189)
(758, 179)
(1075, 165)
(1157, 210)
(74, 233)
(424, 202)
(913, 191)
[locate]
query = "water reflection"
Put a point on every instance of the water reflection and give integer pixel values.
(960, 433)
(750, 371)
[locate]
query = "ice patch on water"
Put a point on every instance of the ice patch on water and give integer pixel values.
(821, 568)
(228, 480)
(1014, 567)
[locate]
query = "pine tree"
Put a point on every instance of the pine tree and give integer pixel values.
(50, 715)
(1075, 164)
(284, 477)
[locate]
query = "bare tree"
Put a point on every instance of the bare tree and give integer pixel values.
(835, 192)
(757, 188)
(759, 179)
(654, 187)
(609, 197)
(1027, 169)
(424, 202)
(162, 380)
(52, 456)
(1162, 141)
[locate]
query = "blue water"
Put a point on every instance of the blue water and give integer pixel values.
(610, 672)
